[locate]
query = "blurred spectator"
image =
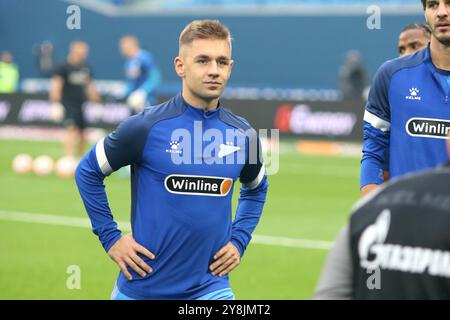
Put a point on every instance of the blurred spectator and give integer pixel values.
(353, 76)
(9, 73)
(142, 74)
(72, 85)
(44, 54)
(412, 38)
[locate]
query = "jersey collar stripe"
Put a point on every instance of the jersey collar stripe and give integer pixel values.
(101, 158)
(376, 122)
(255, 183)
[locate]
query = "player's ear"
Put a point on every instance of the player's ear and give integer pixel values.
(179, 66)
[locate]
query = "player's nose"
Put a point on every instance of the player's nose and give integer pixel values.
(213, 69)
(442, 9)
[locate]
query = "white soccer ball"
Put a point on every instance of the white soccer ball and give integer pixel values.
(136, 100)
(22, 163)
(43, 165)
(57, 112)
(65, 167)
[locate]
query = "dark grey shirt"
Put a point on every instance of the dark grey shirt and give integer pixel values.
(335, 282)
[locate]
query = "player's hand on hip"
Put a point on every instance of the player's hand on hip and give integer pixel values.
(125, 253)
(227, 259)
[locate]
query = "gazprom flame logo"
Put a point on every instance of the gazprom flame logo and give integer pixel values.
(373, 234)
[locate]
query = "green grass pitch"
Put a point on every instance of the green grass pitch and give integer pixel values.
(309, 198)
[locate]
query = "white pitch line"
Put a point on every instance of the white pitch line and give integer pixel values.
(53, 219)
(125, 226)
(292, 242)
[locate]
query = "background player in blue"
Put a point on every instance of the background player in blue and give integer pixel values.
(412, 38)
(407, 116)
(184, 242)
(142, 74)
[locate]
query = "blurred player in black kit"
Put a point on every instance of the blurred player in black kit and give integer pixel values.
(72, 86)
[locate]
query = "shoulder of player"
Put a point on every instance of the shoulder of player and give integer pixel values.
(134, 130)
(227, 116)
(145, 56)
(145, 119)
(390, 67)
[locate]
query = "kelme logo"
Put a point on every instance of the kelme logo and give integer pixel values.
(198, 185)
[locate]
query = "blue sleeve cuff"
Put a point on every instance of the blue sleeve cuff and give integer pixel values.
(115, 236)
(375, 157)
(371, 172)
(250, 207)
(238, 245)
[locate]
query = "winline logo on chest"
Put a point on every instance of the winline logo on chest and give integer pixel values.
(198, 185)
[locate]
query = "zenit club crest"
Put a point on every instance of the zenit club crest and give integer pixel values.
(198, 185)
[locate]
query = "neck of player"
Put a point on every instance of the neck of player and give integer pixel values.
(440, 54)
(200, 103)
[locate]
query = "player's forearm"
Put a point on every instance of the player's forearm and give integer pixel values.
(56, 89)
(372, 172)
(249, 210)
(368, 188)
(89, 179)
(55, 94)
(92, 93)
(375, 155)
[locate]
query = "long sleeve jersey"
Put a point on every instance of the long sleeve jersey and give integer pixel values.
(407, 118)
(184, 163)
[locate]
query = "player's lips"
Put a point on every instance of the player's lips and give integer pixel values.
(213, 85)
(443, 25)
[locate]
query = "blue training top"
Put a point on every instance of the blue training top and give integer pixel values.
(142, 73)
(184, 163)
(407, 118)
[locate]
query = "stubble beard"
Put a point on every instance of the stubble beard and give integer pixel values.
(443, 39)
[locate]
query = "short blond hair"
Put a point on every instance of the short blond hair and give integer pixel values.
(204, 29)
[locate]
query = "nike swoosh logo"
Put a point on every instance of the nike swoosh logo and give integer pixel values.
(226, 150)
